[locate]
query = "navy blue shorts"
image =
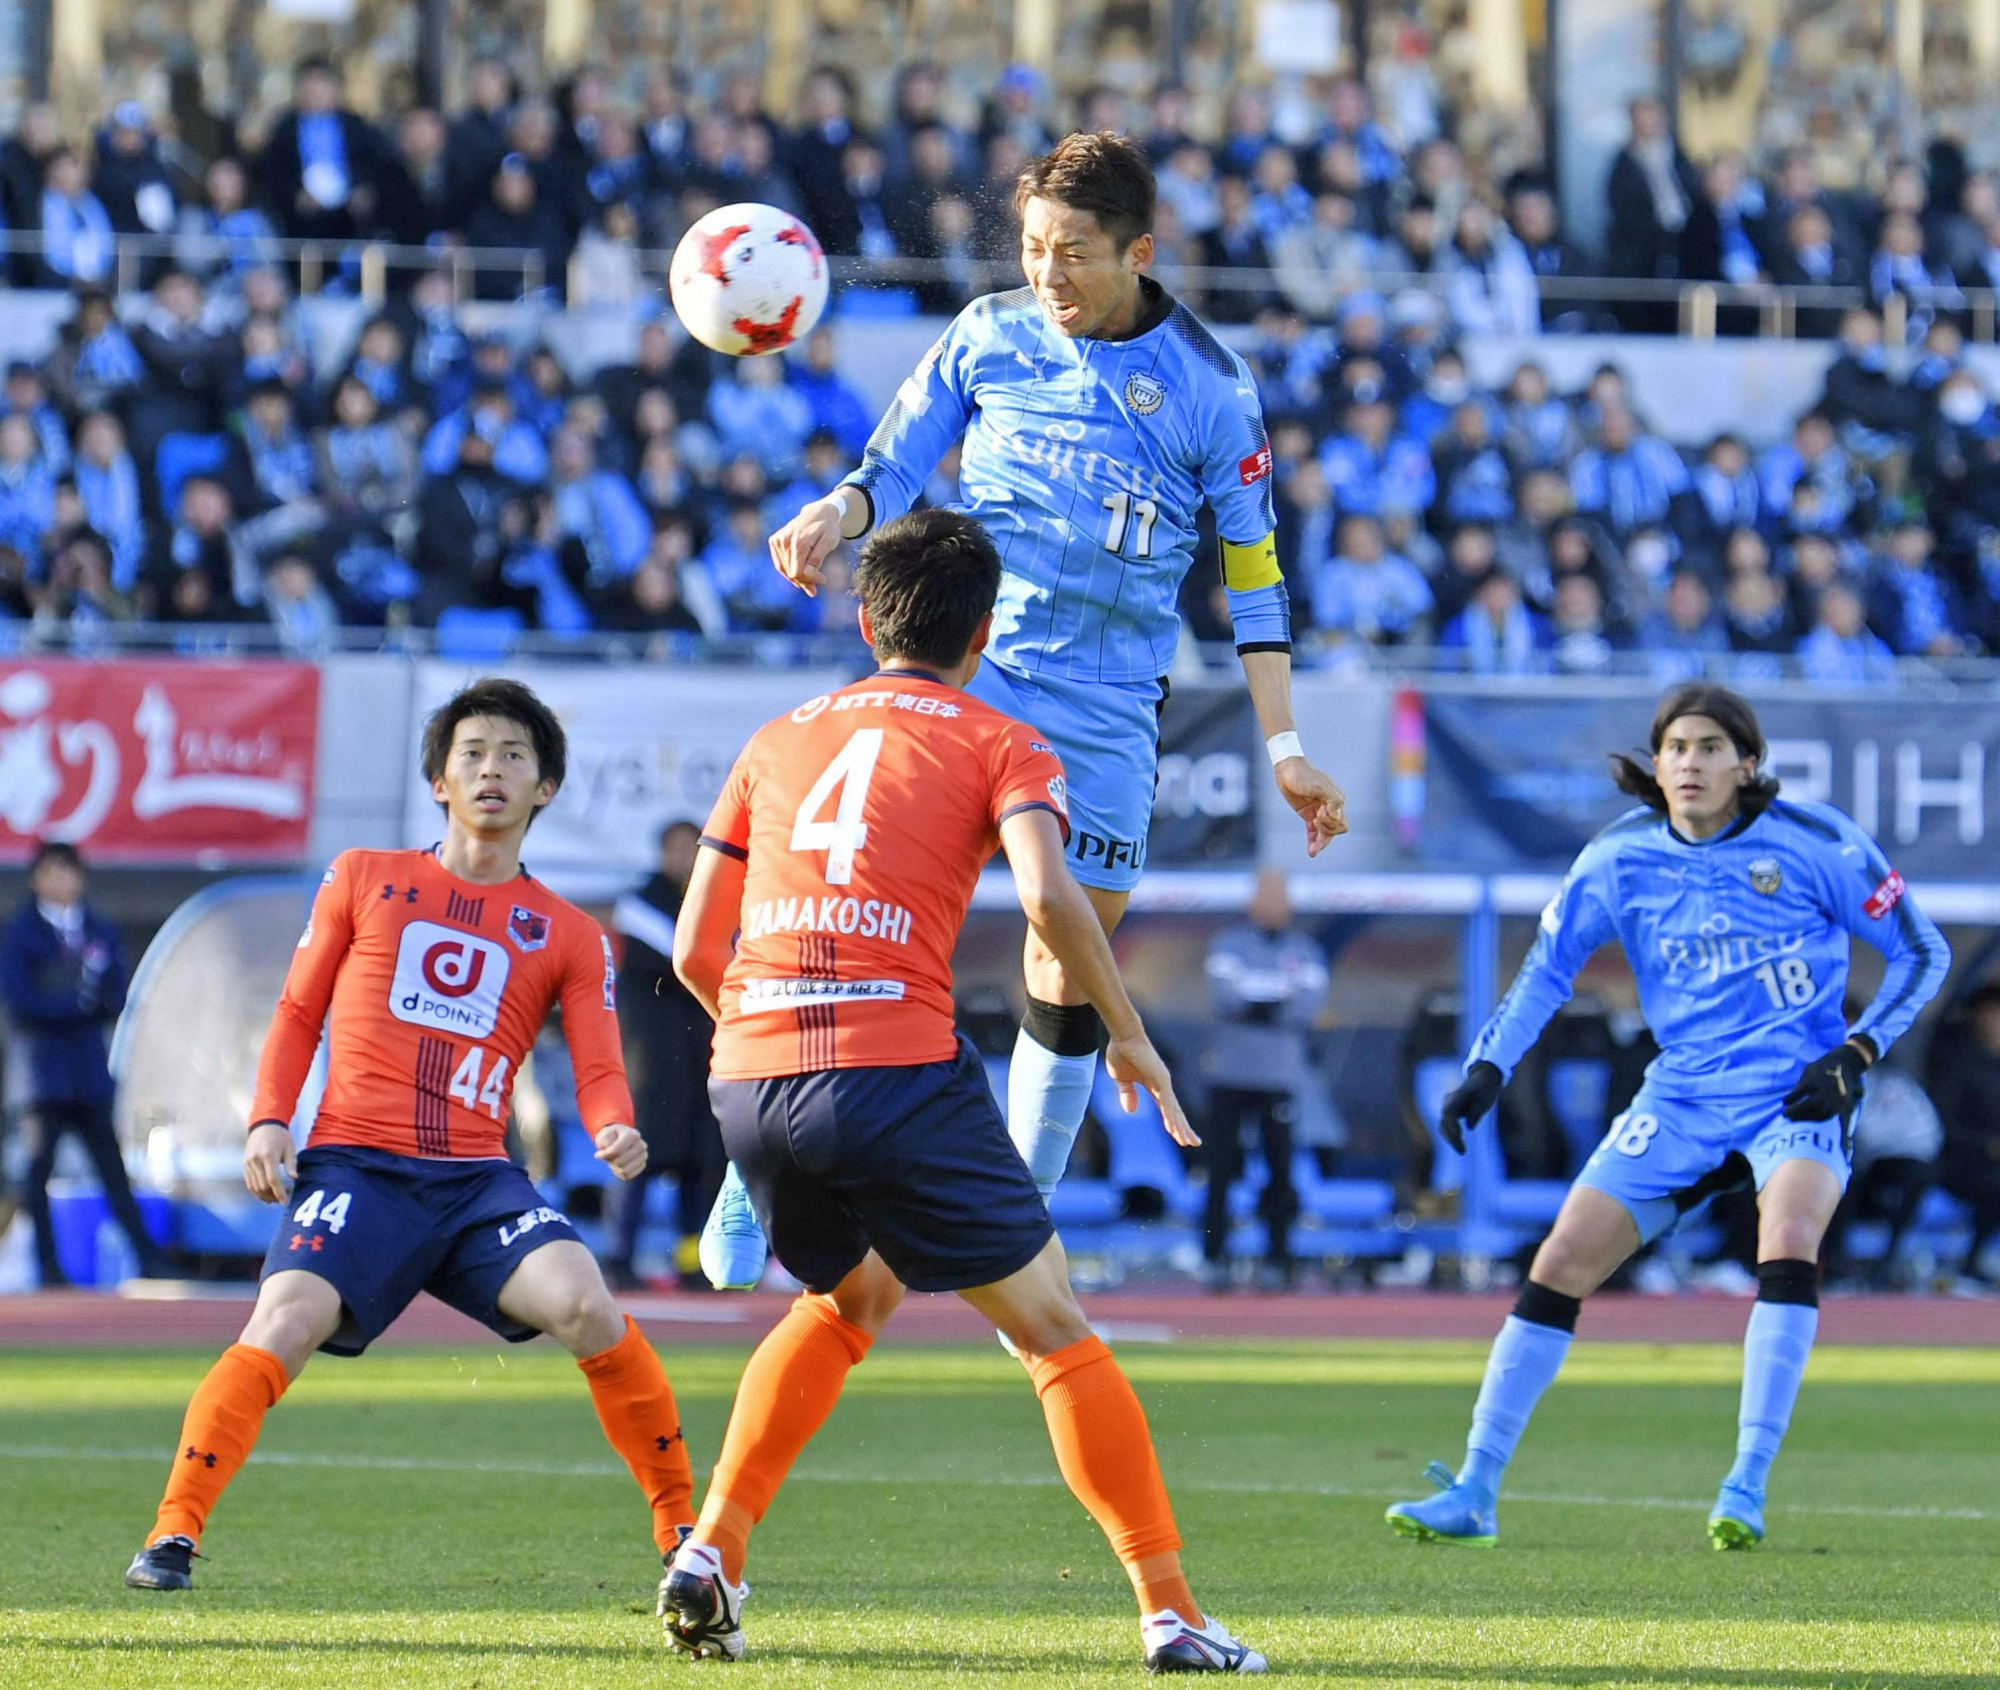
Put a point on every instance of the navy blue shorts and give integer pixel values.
(379, 1228)
(913, 1162)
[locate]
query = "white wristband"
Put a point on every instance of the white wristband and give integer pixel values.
(1284, 745)
(853, 511)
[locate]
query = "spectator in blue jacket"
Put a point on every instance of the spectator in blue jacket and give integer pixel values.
(1373, 471)
(108, 483)
(1630, 479)
(1917, 611)
(836, 407)
(62, 976)
(758, 416)
(27, 489)
(1840, 651)
(597, 508)
(1367, 591)
(1496, 634)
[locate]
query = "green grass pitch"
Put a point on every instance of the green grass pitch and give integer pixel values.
(434, 1517)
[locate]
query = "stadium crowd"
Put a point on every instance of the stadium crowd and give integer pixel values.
(175, 457)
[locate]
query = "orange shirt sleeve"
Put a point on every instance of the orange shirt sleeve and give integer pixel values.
(590, 1027)
(1027, 775)
(728, 828)
(301, 1013)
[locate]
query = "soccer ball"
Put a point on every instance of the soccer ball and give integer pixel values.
(748, 279)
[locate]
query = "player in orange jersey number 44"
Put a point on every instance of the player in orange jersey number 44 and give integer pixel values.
(842, 856)
(438, 968)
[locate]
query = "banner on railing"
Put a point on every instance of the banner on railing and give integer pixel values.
(1205, 803)
(1520, 782)
(158, 761)
(646, 747)
(654, 745)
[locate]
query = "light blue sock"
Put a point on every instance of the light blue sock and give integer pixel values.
(1776, 1344)
(1047, 1095)
(1525, 1360)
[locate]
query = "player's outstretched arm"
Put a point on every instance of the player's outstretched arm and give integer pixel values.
(1064, 920)
(706, 926)
(1321, 805)
(800, 548)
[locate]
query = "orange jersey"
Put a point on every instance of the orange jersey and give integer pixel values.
(437, 988)
(864, 818)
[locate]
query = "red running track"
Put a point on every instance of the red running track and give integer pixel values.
(207, 1320)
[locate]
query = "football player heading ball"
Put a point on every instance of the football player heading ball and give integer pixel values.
(1098, 415)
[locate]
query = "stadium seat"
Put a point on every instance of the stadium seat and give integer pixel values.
(477, 636)
(1578, 1088)
(181, 456)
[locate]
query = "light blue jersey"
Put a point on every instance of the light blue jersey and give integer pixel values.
(1087, 461)
(1740, 948)
(1739, 945)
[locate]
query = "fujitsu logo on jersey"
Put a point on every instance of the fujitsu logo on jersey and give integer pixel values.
(867, 918)
(1708, 958)
(448, 979)
(1064, 459)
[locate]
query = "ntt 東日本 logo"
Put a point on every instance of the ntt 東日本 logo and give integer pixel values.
(448, 980)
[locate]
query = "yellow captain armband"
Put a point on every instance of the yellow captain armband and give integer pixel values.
(1254, 565)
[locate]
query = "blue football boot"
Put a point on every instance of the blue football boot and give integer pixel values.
(733, 1246)
(1737, 1519)
(1458, 1514)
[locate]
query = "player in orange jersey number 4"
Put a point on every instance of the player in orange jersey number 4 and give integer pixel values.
(843, 854)
(439, 968)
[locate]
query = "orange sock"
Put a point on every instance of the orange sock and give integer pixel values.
(1106, 1456)
(217, 1433)
(787, 1392)
(635, 1406)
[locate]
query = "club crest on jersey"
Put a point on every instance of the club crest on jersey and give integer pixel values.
(1144, 394)
(1765, 875)
(528, 930)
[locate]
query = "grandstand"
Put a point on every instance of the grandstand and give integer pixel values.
(1600, 348)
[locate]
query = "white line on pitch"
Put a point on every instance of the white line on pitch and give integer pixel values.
(1248, 1487)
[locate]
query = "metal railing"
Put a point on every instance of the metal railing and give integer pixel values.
(368, 269)
(1910, 677)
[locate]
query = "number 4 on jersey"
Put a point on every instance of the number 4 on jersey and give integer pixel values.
(840, 838)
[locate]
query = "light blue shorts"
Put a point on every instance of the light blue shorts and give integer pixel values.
(1107, 734)
(1660, 1149)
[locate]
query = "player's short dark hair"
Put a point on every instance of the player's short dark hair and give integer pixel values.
(927, 580)
(1102, 173)
(55, 851)
(1731, 712)
(510, 701)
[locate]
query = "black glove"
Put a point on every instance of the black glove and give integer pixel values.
(1830, 1087)
(1467, 1105)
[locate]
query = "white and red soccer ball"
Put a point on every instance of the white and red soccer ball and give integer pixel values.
(748, 279)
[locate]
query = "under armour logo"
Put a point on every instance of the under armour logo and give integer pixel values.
(407, 893)
(668, 1443)
(205, 1457)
